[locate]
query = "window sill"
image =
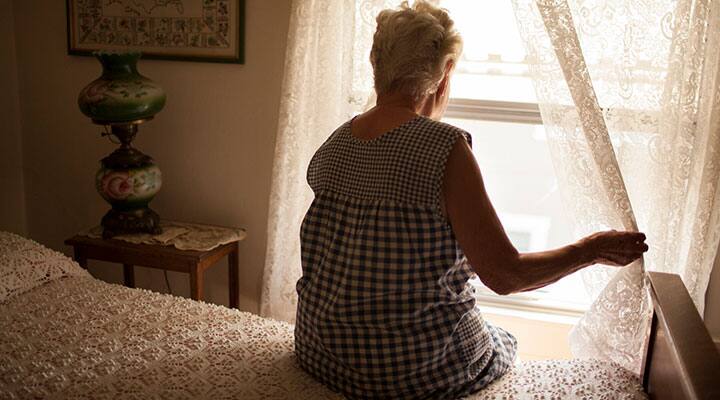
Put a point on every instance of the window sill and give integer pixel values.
(528, 313)
(531, 308)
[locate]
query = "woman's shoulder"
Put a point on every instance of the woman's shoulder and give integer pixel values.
(342, 130)
(444, 130)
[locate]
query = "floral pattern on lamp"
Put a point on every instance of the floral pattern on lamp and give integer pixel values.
(130, 188)
(121, 94)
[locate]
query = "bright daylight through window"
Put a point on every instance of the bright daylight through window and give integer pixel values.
(493, 98)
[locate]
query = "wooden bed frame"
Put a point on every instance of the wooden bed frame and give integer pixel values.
(681, 361)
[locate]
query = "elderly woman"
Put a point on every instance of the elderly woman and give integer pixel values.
(400, 222)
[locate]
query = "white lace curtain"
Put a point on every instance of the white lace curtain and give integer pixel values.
(328, 79)
(629, 96)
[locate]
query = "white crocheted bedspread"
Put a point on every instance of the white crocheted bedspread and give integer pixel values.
(80, 338)
(66, 335)
(26, 264)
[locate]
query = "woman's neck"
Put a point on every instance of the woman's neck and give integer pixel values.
(400, 101)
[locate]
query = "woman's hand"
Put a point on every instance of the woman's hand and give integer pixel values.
(618, 248)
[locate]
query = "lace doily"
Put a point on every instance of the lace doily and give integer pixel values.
(25, 264)
(181, 235)
(81, 338)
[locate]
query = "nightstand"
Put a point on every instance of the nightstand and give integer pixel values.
(165, 257)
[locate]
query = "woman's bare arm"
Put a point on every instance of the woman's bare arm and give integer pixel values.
(489, 250)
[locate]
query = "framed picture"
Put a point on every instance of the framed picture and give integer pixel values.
(188, 30)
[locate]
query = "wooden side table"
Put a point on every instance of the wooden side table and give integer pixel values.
(161, 257)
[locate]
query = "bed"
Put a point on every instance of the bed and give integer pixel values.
(66, 335)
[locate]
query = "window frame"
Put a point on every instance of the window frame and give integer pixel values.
(494, 110)
(516, 113)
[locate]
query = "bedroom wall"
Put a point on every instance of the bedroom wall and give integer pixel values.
(214, 140)
(12, 193)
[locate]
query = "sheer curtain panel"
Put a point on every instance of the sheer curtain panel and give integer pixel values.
(327, 80)
(629, 97)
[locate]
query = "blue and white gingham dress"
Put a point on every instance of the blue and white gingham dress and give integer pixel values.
(384, 307)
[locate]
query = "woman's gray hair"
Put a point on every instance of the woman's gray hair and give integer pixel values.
(411, 47)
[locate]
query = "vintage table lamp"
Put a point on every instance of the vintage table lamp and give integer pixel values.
(121, 99)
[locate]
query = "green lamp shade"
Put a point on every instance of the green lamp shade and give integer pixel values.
(120, 94)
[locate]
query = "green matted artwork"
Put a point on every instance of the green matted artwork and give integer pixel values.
(187, 30)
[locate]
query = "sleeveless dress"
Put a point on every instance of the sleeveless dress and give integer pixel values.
(384, 308)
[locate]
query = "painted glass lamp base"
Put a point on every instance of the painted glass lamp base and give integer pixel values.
(129, 186)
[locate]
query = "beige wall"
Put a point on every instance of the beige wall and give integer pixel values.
(214, 140)
(12, 193)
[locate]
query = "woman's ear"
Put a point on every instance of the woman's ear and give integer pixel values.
(443, 86)
(445, 82)
(438, 101)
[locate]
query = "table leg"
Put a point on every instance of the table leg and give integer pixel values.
(233, 277)
(79, 257)
(129, 275)
(196, 282)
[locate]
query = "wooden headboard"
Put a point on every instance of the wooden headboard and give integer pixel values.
(681, 361)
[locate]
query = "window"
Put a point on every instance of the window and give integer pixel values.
(493, 98)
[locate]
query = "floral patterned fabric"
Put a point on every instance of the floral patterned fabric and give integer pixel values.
(80, 338)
